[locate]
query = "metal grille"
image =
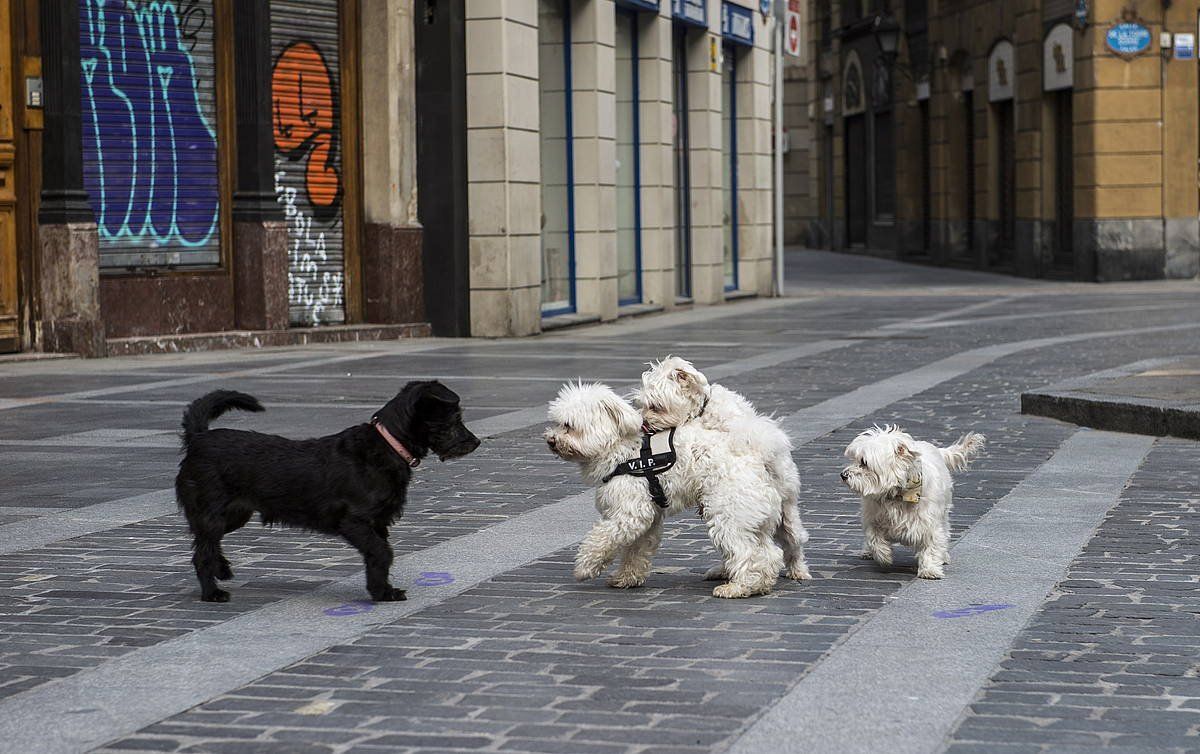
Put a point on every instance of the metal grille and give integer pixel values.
(306, 108)
(149, 108)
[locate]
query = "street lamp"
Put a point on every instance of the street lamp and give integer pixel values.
(887, 36)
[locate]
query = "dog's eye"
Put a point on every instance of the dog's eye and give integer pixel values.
(863, 464)
(567, 427)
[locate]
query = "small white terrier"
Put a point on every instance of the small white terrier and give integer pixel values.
(675, 393)
(592, 426)
(907, 493)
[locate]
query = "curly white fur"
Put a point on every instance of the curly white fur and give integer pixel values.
(674, 393)
(907, 493)
(594, 427)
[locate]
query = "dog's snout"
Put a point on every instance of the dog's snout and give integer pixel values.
(845, 475)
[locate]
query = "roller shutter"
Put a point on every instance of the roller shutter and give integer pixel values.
(306, 111)
(149, 108)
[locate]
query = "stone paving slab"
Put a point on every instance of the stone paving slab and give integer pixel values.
(1159, 397)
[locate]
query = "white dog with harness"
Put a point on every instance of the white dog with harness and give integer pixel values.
(692, 467)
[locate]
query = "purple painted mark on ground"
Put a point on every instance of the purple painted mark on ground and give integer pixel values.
(971, 610)
(433, 578)
(350, 608)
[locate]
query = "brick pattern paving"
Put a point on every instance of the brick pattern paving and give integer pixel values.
(1112, 661)
(531, 661)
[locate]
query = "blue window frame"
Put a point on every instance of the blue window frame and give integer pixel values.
(557, 160)
(628, 178)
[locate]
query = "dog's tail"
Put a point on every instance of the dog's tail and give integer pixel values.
(204, 409)
(958, 456)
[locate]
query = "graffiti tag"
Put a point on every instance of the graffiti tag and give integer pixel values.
(307, 284)
(305, 117)
(150, 152)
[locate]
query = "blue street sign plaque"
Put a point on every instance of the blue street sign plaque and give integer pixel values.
(1128, 39)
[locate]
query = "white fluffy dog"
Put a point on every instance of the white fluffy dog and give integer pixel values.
(674, 393)
(594, 427)
(907, 493)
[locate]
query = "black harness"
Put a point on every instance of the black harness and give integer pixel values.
(657, 457)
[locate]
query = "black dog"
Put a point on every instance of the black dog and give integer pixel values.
(352, 484)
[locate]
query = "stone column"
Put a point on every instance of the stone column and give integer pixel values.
(755, 179)
(503, 171)
(260, 264)
(1181, 137)
(393, 275)
(657, 159)
(1119, 171)
(704, 113)
(594, 100)
(68, 244)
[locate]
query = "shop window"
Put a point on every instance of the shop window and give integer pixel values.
(554, 90)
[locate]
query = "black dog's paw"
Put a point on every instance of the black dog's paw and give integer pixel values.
(218, 595)
(390, 594)
(225, 573)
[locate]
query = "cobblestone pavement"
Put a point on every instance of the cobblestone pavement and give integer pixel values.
(105, 646)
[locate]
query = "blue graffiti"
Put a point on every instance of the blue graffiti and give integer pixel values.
(150, 154)
(969, 611)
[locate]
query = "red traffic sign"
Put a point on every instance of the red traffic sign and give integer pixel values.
(792, 34)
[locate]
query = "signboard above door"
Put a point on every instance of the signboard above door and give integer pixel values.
(737, 24)
(694, 12)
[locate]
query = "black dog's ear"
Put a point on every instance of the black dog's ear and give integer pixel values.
(437, 394)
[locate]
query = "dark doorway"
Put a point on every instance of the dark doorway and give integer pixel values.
(1006, 186)
(440, 35)
(857, 197)
(968, 250)
(926, 181)
(683, 172)
(1064, 182)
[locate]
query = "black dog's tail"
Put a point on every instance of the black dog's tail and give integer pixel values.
(203, 410)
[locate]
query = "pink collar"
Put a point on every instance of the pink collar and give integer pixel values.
(397, 446)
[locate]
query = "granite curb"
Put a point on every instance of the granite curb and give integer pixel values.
(1078, 401)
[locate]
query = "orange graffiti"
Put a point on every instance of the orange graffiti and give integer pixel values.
(305, 116)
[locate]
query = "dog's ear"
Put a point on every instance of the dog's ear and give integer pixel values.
(904, 452)
(685, 377)
(628, 421)
(437, 396)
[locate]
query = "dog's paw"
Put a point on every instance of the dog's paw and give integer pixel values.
(799, 572)
(882, 558)
(732, 591)
(626, 581)
(216, 595)
(716, 573)
(390, 594)
(931, 573)
(585, 572)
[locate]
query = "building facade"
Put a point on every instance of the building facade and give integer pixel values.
(198, 168)
(191, 173)
(587, 159)
(1044, 138)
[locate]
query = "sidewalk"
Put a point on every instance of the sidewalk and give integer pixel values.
(1159, 397)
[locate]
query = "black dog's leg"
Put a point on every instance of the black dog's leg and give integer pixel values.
(377, 556)
(207, 558)
(234, 519)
